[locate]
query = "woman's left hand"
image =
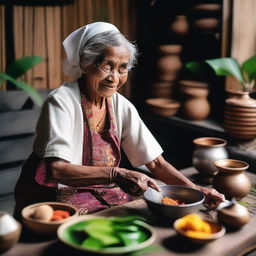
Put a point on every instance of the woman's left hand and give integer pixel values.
(212, 197)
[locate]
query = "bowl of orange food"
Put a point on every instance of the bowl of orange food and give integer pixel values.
(174, 201)
(45, 218)
(195, 228)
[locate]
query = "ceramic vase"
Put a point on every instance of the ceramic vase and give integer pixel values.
(208, 150)
(240, 116)
(231, 179)
(162, 89)
(195, 104)
(180, 25)
(169, 63)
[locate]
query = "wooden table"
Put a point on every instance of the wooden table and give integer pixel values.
(233, 243)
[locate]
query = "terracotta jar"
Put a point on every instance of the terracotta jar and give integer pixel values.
(162, 89)
(195, 104)
(180, 25)
(207, 151)
(169, 63)
(240, 116)
(206, 24)
(231, 179)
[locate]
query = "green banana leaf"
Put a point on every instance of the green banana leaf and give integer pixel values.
(20, 66)
(25, 87)
(249, 66)
(194, 66)
(227, 66)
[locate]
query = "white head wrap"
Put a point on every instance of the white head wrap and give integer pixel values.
(74, 43)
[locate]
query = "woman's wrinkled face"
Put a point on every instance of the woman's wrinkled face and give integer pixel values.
(105, 78)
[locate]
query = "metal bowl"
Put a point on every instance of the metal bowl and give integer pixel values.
(192, 198)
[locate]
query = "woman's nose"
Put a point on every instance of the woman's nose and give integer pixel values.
(113, 76)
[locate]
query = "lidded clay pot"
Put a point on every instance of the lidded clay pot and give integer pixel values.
(231, 179)
(10, 231)
(240, 115)
(207, 151)
(233, 215)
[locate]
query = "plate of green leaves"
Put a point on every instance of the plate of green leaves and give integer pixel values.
(107, 235)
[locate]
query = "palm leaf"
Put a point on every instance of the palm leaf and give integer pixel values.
(20, 66)
(227, 66)
(249, 66)
(194, 66)
(25, 87)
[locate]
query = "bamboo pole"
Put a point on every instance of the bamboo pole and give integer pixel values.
(39, 41)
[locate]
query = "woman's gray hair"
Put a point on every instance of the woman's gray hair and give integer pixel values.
(94, 49)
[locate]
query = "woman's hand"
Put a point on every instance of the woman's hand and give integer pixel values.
(132, 182)
(212, 197)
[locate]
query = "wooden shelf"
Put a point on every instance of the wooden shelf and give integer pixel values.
(208, 126)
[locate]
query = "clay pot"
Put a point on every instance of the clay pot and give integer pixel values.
(163, 106)
(180, 25)
(206, 24)
(9, 232)
(195, 105)
(234, 215)
(162, 89)
(169, 63)
(231, 179)
(240, 116)
(207, 151)
(207, 7)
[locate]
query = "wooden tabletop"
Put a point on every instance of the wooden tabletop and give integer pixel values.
(233, 243)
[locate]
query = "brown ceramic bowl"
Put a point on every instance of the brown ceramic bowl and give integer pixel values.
(217, 231)
(242, 135)
(240, 109)
(239, 113)
(206, 23)
(208, 7)
(240, 123)
(170, 48)
(163, 106)
(45, 227)
(239, 128)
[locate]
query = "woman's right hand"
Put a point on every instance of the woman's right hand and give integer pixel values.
(132, 182)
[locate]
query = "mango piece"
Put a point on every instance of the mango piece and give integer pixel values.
(197, 234)
(193, 222)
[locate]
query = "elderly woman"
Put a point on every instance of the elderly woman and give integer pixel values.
(83, 126)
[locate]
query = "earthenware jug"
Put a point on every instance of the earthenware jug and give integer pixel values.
(195, 104)
(169, 63)
(231, 179)
(180, 25)
(207, 151)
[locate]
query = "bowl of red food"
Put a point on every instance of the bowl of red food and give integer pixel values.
(174, 201)
(45, 218)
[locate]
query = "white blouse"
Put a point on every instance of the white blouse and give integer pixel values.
(59, 131)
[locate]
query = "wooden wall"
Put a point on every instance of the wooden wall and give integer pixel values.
(40, 30)
(242, 34)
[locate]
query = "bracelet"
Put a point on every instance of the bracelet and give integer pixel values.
(113, 174)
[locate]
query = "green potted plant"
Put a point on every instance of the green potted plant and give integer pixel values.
(18, 68)
(240, 109)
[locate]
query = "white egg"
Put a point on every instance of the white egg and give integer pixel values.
(43, 212)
